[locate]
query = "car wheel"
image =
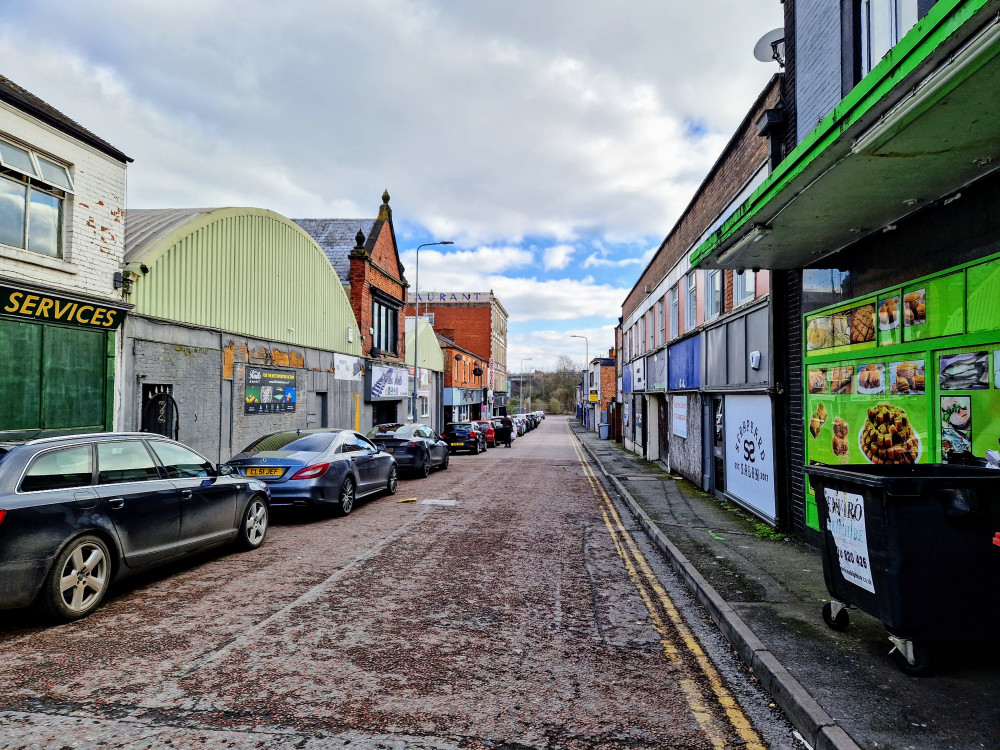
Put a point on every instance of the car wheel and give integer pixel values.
(254, 525)
(475, 449)
(425, 467)
(78, 580)
(447, 458)
(393, 481)
(346, 502)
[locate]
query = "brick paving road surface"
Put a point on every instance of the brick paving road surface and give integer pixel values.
(508, 620)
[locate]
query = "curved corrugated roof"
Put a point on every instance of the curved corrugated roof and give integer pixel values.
(145, 227)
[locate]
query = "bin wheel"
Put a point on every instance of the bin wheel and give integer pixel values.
(921, 665)
(838, 622)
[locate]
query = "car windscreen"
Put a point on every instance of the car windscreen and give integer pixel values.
(459, 429)
(285, 443)
(399, 430)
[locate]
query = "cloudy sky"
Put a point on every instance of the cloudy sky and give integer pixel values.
(554, 141)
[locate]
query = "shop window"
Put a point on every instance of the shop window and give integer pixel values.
(674, 314)
(385, 321)
(883, 24)
(744, 286)
(691, 302)
(714, 293)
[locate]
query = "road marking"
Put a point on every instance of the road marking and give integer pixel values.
(636, 563)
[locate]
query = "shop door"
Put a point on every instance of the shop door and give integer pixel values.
(663, 431)
(159, 410)
(718, 446)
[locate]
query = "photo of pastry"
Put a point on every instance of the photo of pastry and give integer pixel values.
(840, 328)
(818, 334)
(818, 419)
(963, 372)
(888, 437)
(871, 379)
(840, 445)
(842, 381)
(915, 308)
(906, 378)
(956, 424)
(863, 324)
(888, 313)
(817, 381)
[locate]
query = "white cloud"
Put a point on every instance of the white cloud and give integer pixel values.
(558, 256)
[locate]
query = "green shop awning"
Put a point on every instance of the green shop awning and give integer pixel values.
(923, 124)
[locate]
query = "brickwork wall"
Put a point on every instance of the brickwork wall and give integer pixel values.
(462, 376)
(382, 272)
(609, 386)
(94, 218)
(471, 324)
(817, 62)
(738, 162)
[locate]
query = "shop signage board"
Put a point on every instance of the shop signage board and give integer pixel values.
(269, 391)
(639, 375)
(684, 365)
(679, 416)
(750, 453)
(387, 383)
(50, 308)
(346, 367)
(656, 371)
(907, 374)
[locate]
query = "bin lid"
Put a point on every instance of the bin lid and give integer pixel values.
(909, 478)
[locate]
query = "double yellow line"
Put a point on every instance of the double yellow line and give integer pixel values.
(657, 601)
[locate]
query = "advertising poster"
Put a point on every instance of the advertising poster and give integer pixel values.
(956, 424)
(346, 367)
(750, 452)
(846, 524)
(269, 391)
(388, 383)
(679, 416)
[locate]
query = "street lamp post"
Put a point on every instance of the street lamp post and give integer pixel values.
(416, 323)
(520, 390)
(586, 369)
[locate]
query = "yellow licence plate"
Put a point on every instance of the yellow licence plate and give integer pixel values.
(264, 472)
(453, 445)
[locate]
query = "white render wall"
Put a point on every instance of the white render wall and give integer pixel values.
(93, 218)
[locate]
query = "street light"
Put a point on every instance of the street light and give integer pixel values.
(586, 369)
(416, 323)
(520, 390)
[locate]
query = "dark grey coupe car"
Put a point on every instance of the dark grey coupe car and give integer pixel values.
(79, 512)
(416, 447)
(318, 467)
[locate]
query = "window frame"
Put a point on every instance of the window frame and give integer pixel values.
(675, 321)
(385, 323)
(691, 301)
(895, 14)
(742, 291)
(714, 307)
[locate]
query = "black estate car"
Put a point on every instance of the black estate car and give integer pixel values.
(81, 511)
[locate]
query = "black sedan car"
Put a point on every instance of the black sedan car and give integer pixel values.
(464, 436)
(318, 467)
(416, 447)
(79, 512)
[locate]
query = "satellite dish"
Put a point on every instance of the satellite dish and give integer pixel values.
(771, 46)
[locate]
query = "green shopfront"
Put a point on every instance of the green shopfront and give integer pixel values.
(59, 357)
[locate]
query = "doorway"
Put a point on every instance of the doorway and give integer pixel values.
(384, 412)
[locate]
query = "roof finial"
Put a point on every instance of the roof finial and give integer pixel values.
(360, 239)
(385, 196)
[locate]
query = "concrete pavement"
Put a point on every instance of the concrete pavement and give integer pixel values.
(841, 690)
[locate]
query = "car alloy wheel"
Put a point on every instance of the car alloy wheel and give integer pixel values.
(79, 579)
(393, 481)
(347, 497)
(254, 526)
(425, 467)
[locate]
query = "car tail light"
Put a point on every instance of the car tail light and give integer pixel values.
(311, 472)
(2, 514)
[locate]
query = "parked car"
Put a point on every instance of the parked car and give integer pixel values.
(416, 447)
(520, 423)
(489, 434)
(318, 467)
(464, 436)
(79, 512)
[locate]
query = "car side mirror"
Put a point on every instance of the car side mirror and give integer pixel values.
(224, 470)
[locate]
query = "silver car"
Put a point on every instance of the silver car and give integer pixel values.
(318, 467)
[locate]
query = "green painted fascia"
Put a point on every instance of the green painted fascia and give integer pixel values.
(942, 20)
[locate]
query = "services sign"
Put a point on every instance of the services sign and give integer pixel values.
(49, 308)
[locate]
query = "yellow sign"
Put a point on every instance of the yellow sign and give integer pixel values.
(45, 307)
(594, 398)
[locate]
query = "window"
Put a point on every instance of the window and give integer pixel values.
(744, 286)
(59, 469)
(385, 321)
(691, 302)
(661, 332)
(32, 189)
(883, 24)
(674, 314)
(642, 335)
(181, 462)
(126, 461)
(714, 293)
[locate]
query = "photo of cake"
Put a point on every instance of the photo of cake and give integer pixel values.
(871, 379)
(915, 308)
(840, 444)
(842, 380)
(818, 334)
(906, 378)
(817, 381)
(888, 313)
(863, 324)
(818, 419)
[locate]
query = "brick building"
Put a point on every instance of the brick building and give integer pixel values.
(696, 344)
(477, 322)
(465, 377)
(62, 241)
(365, 256)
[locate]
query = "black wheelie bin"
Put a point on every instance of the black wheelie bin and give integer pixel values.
(914, 546)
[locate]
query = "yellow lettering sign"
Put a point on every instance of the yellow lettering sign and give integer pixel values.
(28, 306)
(15, 302)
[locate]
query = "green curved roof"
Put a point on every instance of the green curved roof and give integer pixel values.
(249, 271)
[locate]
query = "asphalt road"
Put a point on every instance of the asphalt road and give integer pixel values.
(528, 614)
